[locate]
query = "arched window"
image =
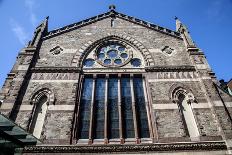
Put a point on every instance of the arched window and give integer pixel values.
(113, 101)
(40, 100)
(185, 100)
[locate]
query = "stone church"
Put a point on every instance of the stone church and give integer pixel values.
(115, 84)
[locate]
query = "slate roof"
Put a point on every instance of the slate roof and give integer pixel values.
(111, 13)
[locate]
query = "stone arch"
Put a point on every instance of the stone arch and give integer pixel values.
(45, 89)
(86, 48)
(179, 88)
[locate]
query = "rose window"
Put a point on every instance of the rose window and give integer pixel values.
(113, 55)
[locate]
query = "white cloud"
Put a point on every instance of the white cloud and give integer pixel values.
(19, 31)
(30, 5)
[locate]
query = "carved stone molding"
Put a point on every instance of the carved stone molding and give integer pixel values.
(127, 148)
(169, 68)
(54, 76)
(88, 46)
(56, 69)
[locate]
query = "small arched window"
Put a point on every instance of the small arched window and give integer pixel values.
(184, 103)
(39, 114)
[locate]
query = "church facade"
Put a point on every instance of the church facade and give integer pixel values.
(117, 84)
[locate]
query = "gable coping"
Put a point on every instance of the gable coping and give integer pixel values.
(111, 13)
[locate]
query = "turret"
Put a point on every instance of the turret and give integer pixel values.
(39, 32)
(183, 30)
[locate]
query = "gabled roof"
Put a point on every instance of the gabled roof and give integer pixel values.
(111, 13)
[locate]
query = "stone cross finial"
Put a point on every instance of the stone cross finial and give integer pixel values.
(112, 7)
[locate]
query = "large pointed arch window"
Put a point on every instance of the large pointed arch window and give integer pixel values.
(113, 103)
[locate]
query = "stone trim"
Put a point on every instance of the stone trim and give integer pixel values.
(218, 145)
(169, 68)
(87, 47)
(109, 14)
(56, 69)
(55, 81)
(175, 106)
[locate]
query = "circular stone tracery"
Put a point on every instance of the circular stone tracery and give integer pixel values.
(113, 55)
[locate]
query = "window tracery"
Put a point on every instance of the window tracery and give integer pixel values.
(113, 54)
(117, 101)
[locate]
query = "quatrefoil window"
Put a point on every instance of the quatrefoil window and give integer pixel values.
(56, 50)
(168, 50)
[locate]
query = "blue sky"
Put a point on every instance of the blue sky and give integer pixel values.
(209, 22)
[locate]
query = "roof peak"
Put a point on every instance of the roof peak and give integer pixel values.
(109, 14)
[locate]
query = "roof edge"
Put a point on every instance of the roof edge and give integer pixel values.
(110, 13)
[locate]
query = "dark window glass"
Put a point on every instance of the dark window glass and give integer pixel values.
(124, 55)
(136, 62)
(101, 55)
(85, 106)
(112, 53)
(107, 61)
(127, 114)
(99, 104)
(113, 121)
(88, 62)
(143, 129)
(118, 61)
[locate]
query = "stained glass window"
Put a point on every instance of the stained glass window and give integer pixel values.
(113, 121)
(113, 55)
(99, 104)
(127, 114)
(85, 106)
(143, 129)
(113, 108)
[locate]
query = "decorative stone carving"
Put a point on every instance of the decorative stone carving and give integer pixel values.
(56, 50)
(127, 148)
(168, 50)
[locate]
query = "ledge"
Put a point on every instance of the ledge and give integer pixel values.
(169, 68)
(56, 69)
(207, 146)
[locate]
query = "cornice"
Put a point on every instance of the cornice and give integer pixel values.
(114, 14)
(56, 69)
(169, 68)
(196, 53)
(207, 146)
